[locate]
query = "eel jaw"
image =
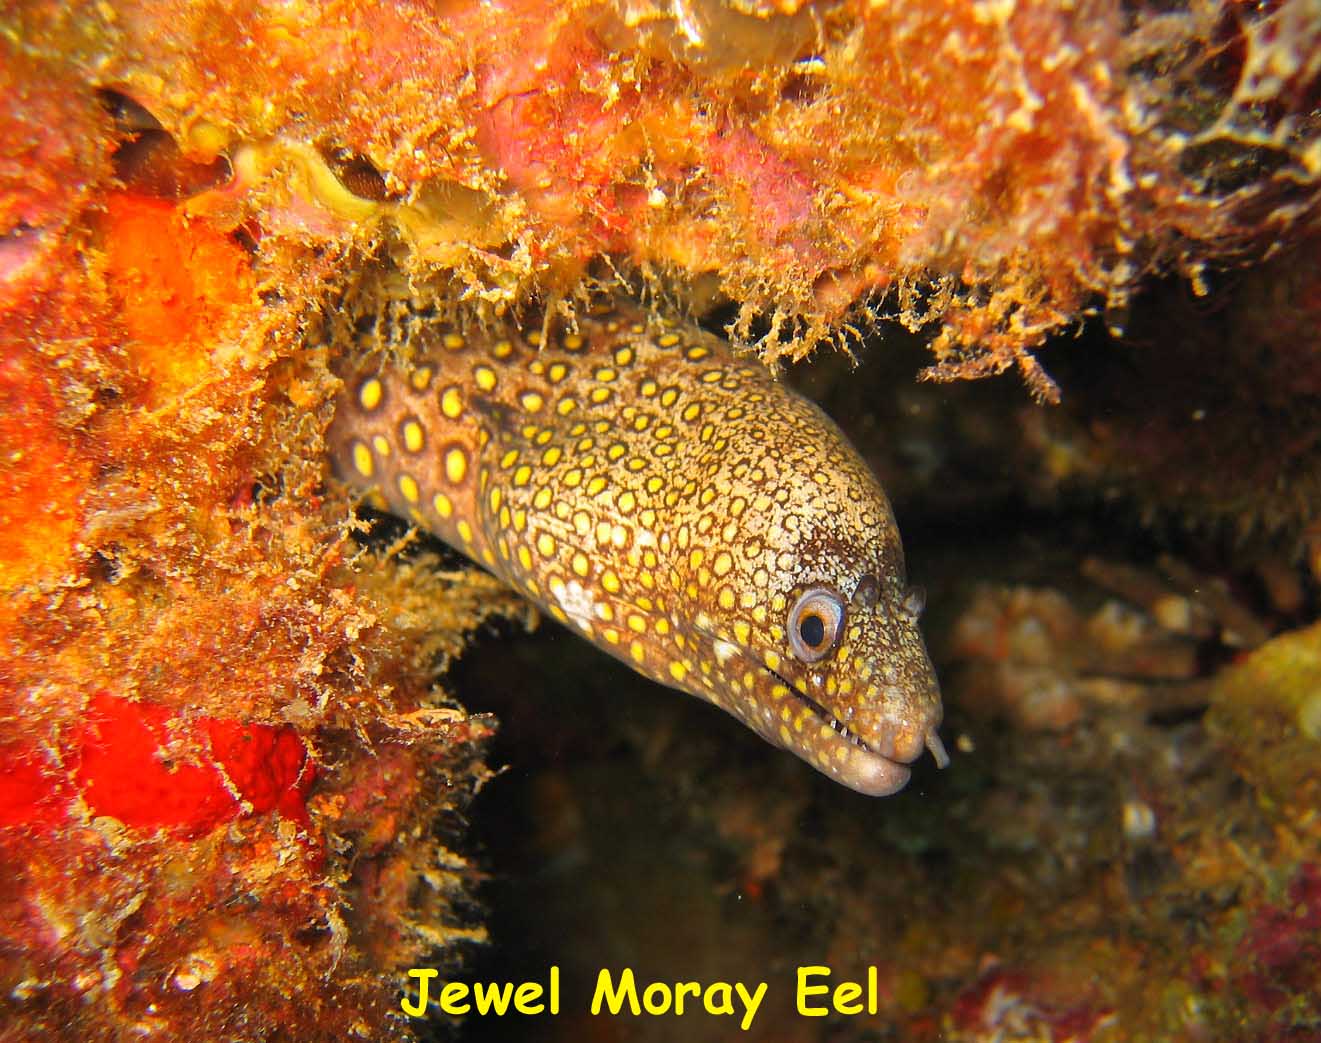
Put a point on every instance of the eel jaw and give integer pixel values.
(844, 756)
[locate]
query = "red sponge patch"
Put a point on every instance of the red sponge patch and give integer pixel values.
(146, 766)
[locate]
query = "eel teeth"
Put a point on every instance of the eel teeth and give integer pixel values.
(822, 714)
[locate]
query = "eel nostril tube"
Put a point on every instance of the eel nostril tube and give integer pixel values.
(937, 749)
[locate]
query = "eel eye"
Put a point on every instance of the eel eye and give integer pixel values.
(815, 623)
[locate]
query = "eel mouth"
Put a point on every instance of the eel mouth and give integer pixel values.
(859, 767)
(823, 715)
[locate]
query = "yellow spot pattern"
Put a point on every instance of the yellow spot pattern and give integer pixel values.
(414, 439)
(456, 465)
(643, 495)
(370, 394)
(362, 460)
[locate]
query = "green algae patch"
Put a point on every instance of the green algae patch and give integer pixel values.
(1266, 709)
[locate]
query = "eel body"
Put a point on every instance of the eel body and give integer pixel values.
(676, 504)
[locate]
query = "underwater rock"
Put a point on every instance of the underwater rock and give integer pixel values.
(1032, 656)
(1237, 452)
(189, 643)
(1000, 171)
(1266, 711)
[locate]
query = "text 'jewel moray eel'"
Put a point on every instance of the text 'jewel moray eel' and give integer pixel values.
(688, 513)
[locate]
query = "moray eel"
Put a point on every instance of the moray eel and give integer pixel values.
(679, 506)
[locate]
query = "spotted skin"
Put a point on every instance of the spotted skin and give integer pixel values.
(673, 503)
